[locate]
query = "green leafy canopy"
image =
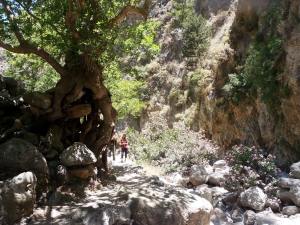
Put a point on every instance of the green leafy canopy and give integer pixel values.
(87, 27)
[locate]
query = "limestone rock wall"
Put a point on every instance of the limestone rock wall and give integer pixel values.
(234, 24)
(251, 122)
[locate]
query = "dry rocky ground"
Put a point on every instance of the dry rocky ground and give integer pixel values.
(129, 196)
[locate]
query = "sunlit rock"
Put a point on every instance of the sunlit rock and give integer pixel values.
(295, 194)
(295, 170)
(199, 174)
(76, 155)
(290, 210)
(253, 197)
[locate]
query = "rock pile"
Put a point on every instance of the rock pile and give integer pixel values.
(249, 207)
(30, 163)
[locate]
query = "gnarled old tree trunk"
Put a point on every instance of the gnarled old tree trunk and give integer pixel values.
(81, 106)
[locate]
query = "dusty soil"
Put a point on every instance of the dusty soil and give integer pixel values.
(66, 208)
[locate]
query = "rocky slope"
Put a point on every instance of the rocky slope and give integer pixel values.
(129, 196)
(235, 25)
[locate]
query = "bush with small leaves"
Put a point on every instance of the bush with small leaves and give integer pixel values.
(250, 166)
(172, 150)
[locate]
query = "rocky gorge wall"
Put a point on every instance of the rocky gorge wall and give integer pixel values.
(234, 25)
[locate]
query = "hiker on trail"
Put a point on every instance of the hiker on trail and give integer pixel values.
(113, 144)
(124, 148)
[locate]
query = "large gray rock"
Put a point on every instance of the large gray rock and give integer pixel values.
(77, 154)
(270, 218)
(288, 182)
(104, 217)
(253, 197)
(17, 197)
(295, 194)
(178, 207)
(295, 170)
(199, 174)
(249, 217)
(217, 178)
(18, 155)
(290, 210)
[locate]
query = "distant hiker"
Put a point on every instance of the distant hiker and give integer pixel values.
(124, 148)
(113, 144)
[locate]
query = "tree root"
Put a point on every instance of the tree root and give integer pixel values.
(16, 127)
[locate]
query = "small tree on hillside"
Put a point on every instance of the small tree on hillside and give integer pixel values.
(195, 34)
(78, 39)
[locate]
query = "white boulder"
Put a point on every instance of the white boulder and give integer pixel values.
(199, 174)
(253, 197)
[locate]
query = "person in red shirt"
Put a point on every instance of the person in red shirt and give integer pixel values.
(124, 148)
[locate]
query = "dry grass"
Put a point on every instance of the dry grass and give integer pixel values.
(153, 67)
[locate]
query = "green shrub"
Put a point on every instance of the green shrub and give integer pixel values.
(177, 97)
(195, 33)
(193, 80)
(171, 149)
(234, 87)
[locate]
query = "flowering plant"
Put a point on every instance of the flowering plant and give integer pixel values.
(250, 166)
(171, 149)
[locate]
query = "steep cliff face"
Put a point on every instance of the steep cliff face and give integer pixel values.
(236, 26)
(251, 121)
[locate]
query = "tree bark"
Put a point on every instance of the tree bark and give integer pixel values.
(82, 88)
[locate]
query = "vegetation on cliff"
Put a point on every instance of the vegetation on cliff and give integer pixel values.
(260, 72)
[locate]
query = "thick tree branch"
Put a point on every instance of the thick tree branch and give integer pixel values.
(128, 10)
(80, 6)
(70, 19)
(28, 49)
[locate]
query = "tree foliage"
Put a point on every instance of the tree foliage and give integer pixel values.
(79, 39)
(125, 92)
(39, 23)
(195, 34)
